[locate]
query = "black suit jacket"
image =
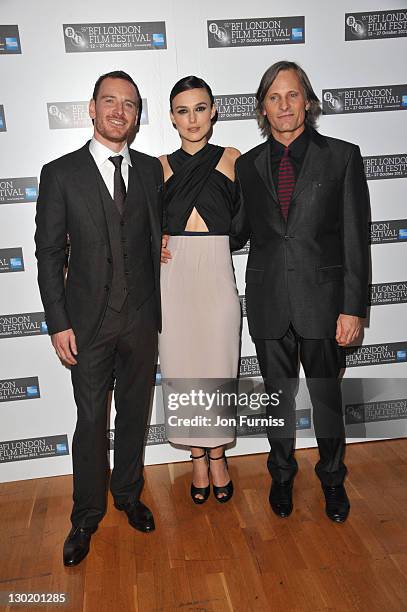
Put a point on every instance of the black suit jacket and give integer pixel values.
(315, 266)
(69, 202)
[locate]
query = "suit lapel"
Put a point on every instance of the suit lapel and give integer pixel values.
(313, 168)
(263, 167)
(145, 178)
(87, 183)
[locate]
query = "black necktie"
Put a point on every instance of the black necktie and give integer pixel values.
(119, 190)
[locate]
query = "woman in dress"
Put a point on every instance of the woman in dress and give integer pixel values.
(201, 309)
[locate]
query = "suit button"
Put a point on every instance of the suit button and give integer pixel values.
(109, 260)
(122, 222)
(286, 237)
(290, 269)
(106, 287)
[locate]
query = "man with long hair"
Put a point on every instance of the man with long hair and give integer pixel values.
(306, 211)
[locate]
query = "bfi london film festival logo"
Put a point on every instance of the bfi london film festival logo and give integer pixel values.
(391, 230)
(21, 325)
(68, 115)
(370, 99)
(388, 293)
(33, 448)
(373, 412)
(242, 299)
(12, 389)
(253, 32)
(376, 354)
(155, 434)
(376, 24)
(244, 251)
(3, 125)
(393, 165)
(11, 260)
(130, 36)
(9, 40)
(249, 367)
(232, 107)
(18, 190)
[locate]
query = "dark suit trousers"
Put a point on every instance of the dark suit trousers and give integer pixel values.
(126, 343)
(279, 364)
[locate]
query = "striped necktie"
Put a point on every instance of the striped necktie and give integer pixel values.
(286, 182)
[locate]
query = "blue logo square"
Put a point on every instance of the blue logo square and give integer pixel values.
(402, 355)
(402, 234)
(11, 44)
(158, 40)
(60, 449)
(16, 263)
(304, 423)
(297, 33)
(32, 391)
(403, 100)
(44, 327)
(31, 193)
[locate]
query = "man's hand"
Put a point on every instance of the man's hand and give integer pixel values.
(64, 343)
(347, 329)
(165, 253)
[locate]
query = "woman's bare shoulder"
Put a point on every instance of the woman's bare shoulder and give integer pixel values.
(232, 153)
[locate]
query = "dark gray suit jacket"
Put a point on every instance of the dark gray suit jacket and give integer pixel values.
(315, 266)
(69, 202)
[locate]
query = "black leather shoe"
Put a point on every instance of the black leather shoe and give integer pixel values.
(281, 498)
(337, 503)
(140, 517)
(76, 545)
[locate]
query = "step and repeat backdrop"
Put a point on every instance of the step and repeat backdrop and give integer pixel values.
(50, 56)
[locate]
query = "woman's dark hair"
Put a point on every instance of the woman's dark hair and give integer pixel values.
(311, 115)
(190, 82)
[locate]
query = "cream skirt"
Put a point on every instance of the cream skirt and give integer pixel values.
(200, 337)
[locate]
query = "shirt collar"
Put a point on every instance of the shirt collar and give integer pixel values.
(297, 147)
(101, 153)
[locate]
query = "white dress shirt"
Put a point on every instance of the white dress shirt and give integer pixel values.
(101, 154)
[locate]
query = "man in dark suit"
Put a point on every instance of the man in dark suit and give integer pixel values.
(306, 211)
(107, 197)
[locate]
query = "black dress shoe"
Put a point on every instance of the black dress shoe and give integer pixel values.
(281, 498)
(76, 545)
(140, 517)
(337, 503)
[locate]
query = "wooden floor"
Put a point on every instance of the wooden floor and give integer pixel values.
(237, 556)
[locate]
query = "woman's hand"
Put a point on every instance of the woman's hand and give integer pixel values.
(165, 253)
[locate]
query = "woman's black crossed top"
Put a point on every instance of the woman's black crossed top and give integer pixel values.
(195, 183)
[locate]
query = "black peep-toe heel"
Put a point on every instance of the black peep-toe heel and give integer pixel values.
(226, 489)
